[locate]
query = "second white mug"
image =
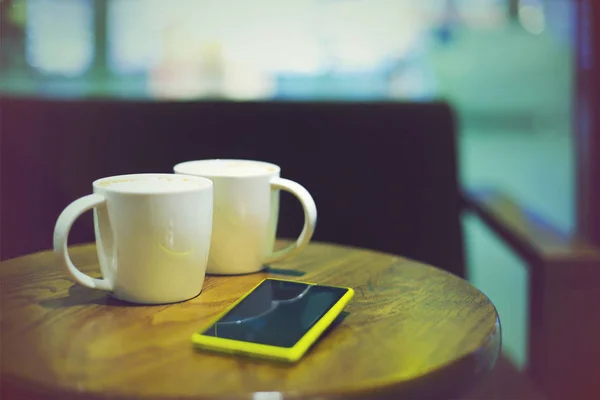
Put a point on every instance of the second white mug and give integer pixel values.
(246, 211)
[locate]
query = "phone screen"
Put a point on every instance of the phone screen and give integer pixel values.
(276, 313)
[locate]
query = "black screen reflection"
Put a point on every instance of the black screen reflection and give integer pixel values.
(276, 313)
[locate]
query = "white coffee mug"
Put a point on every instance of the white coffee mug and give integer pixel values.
(246, 209)
(153, 236)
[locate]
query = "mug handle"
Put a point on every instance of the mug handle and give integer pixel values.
(61, 234)
(310, 218)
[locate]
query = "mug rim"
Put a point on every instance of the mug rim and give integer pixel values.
(179, 168)
(203, 184)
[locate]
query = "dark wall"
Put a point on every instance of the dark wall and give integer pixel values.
(587, 118)
(384, 176)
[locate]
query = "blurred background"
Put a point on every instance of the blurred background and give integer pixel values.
(505, 66)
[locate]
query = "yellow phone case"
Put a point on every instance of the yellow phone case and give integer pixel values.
(287, 354)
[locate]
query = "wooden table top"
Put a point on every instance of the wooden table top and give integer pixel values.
(411, 330)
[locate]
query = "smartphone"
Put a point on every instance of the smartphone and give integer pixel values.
(278, 319)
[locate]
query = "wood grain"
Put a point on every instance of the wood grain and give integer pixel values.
(411, 331)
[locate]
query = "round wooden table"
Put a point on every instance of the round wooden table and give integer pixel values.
(411, 331)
